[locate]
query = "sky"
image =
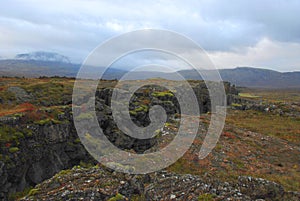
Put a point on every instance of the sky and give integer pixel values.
(256, 33)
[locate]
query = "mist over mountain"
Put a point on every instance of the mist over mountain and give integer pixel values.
(43, 56)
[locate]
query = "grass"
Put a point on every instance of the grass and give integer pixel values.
(51, 93)
(239, 154)
(47, 92)
(274, 95)
(290, 182)
(25, 107)
(247, 95)
(287, 128)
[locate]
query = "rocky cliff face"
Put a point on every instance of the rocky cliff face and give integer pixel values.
(36, 150)
(39, 153)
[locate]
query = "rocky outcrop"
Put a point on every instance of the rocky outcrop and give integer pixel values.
(38, 154)
(20, 94)
(98, 183)
(42, 148)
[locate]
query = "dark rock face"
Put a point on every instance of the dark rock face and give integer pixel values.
(51, 148)
(55, 146)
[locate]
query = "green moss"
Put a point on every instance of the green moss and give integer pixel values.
(142, 108)
(55, 121)
(18, 195)
(84, 116)
(118, 166)
(139, 109)
(7, 96)
(157, 133)
(117, 197)
(7, 133)
(47, 121)
(13, 149)
(19, 134)
(6, 159)
(62, 173)
(86, 165)
(77, 140)
(18, 115)
(138, 198)
(167, 124)
(53, 92)
(239, 163)
(132, 112)
(107, 184)
(162, 94)
(218, 147)
(236, 105)
(28, 132)
(168, 102)
(43, 121)
(206, 197)
(33, 192)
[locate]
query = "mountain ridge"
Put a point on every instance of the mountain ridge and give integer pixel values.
(239, 76)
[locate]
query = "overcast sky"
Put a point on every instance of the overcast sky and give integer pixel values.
(234, 33)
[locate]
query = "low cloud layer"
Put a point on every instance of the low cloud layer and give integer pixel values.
(234, 33)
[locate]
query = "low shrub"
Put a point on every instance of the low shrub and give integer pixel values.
(13, 149)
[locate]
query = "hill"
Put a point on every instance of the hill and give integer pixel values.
(254, 77)
(38, 68)
(261, 78)
(50, 64)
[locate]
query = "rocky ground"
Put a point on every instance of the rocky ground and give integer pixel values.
(98, 183)
(230, 172)
(256, 157)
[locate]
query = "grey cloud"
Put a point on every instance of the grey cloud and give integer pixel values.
(277, 19)
(75, 27)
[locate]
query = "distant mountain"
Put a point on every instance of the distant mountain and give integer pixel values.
(43, 56)
(41, 63)
(253, 77)
(37, 68)
(52, 64)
